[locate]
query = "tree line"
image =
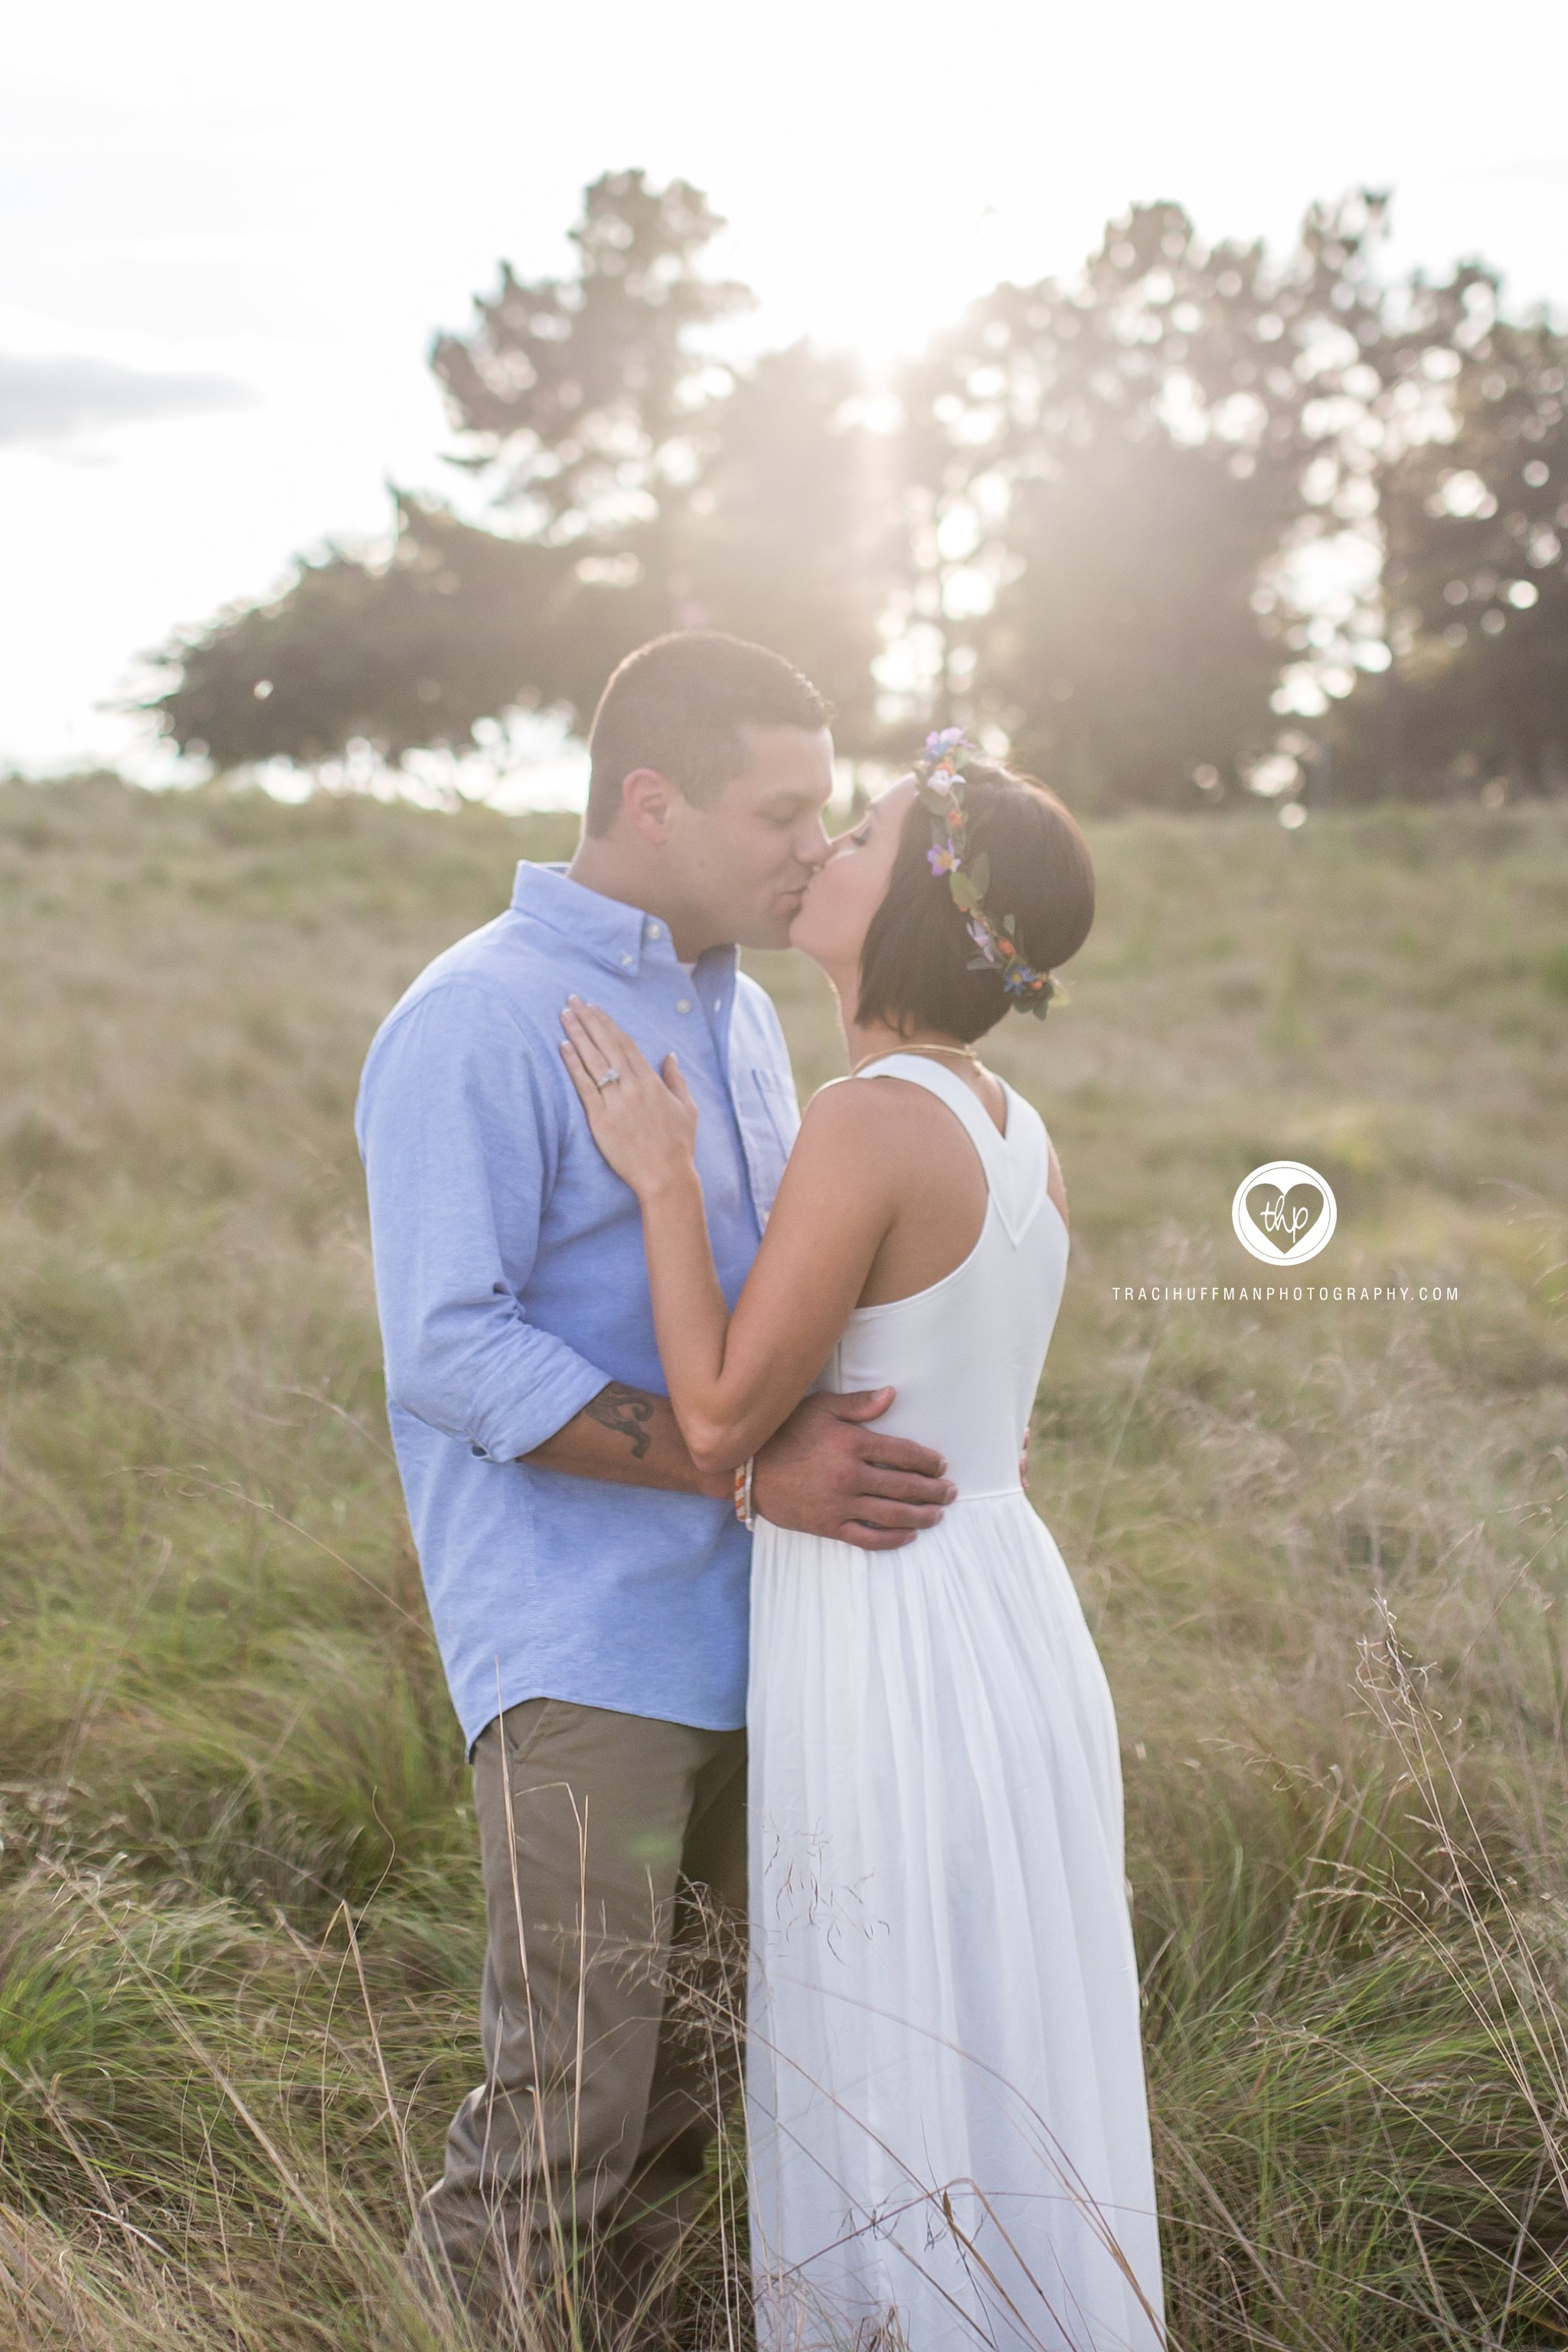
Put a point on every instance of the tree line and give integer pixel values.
(1197, 518)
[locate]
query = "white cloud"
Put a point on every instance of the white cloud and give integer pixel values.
(56, 398)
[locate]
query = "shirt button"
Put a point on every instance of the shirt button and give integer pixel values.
(656, 930)
(683, 1004)
(626, 959)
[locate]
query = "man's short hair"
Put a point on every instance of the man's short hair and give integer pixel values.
(678, 706)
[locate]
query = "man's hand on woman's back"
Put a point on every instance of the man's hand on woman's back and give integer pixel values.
(825, 1473)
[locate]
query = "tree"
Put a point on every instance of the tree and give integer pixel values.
(1105, 475)
(585, 400)
(404, 654)
(1133, 524)
(793, 535)
(1474, 515)
(641, 485)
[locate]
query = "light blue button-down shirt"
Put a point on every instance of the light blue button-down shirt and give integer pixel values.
(513, 1286)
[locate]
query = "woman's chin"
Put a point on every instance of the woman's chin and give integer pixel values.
(821, 931)
(807, 936)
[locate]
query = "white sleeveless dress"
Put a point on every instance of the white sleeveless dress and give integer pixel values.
(948, 2130)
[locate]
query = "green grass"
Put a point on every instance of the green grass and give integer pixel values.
(1322, 1546)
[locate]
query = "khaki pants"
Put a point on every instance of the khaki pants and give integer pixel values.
(608, 1843)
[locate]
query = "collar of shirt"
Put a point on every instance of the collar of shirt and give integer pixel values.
(613, 934)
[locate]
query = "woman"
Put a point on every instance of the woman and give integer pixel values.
(949, 2140)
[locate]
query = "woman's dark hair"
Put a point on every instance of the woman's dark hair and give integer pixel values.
(679, 704)
(914, 966)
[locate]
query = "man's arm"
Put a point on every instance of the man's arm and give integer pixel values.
(631, 1438)
(824, 1472)
(459, 1140)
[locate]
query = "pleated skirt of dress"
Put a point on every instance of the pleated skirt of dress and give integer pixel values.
(949, 2139)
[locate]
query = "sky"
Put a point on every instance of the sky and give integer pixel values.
(226, 236)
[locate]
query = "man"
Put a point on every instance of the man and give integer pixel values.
(587, 1584)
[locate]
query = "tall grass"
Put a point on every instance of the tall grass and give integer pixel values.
(1322, 1547)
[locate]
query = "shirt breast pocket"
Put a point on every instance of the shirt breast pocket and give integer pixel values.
(768, 1119)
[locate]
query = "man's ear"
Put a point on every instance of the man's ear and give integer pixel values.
(651, 804)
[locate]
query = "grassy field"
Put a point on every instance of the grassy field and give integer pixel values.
(1321, 1544)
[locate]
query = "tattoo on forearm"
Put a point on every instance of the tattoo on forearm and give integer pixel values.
(625, 1410)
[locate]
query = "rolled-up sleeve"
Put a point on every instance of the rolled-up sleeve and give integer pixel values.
(458, 1136)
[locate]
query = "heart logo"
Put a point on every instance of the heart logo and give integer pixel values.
(1286, 1218)
(1284, 1213)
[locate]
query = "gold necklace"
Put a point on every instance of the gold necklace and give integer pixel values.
(963, 1053)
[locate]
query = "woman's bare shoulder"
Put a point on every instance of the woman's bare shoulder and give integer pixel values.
(870, 1116)
(849, 1110)
(847, 1159)
(880, 1102)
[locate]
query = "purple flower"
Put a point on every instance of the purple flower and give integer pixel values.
(942, 858)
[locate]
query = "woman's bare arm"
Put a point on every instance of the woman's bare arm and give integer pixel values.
(733, 1379)
(1056, 1189)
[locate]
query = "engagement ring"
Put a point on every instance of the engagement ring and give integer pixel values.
(610, 1077)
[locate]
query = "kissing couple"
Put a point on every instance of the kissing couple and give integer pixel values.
(709, 1425)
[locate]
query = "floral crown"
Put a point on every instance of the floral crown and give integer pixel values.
(939, 784)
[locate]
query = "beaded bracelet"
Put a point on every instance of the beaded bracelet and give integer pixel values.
(744, 1510)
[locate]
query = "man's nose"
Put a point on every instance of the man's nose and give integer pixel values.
(816, 849)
